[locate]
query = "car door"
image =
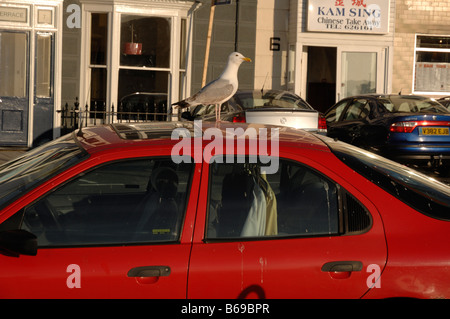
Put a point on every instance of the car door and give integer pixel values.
(307, 236)
(111, 230)
(348, 126)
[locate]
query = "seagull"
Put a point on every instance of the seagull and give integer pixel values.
(219, 90)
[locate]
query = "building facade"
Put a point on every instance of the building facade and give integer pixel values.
(422, 48)
(101, 52)
(30, 68)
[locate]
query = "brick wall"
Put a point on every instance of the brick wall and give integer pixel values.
(415, 17)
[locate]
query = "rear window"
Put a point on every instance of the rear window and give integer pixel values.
(413, 104)
(417, 190)
(270, 99)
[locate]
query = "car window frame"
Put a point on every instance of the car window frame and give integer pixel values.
(342, 214)
(19, 215)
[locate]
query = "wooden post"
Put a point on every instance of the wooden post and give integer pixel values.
(208, 42)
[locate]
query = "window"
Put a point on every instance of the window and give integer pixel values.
(17, 177)
(145, 55)
(296, 201)
(13, 64)
(432, 64)
(44, 68)
(131, 201)
(335, 113)
(416, 190)
(358, 109)
(98, 61)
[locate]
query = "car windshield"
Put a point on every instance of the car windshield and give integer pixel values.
(412, 104)
(257, 99)
(37, 166)
(417, 190)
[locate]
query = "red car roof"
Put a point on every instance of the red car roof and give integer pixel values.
(98, 138)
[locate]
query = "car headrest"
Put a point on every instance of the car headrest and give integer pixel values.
(165, 181)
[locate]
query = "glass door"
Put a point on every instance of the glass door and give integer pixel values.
(359, 72)
(43, 88)
(14, 93)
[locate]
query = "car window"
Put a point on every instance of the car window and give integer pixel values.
(334, 114)
(38, 165)
(295, 201)
(414, 104)
(358, 109)
(123, 202)
(417, 190)
(258, 99)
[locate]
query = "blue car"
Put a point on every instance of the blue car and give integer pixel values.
(406, 128)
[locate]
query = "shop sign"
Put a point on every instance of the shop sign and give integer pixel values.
(349, 16)
(13, 14)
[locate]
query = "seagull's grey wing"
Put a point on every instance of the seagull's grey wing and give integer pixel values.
(213, 93)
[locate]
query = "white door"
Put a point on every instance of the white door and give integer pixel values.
(360, 71)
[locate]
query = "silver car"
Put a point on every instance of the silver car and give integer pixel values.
(272, 107)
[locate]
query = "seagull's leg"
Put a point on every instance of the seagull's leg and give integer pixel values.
(217, 113)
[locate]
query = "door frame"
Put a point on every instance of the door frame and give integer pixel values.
(381, 73)
(384, 67)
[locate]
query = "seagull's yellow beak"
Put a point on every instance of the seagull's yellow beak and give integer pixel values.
(247, 59)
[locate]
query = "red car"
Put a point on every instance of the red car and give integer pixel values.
(178, 210)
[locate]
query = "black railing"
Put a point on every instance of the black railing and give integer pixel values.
(72, 117)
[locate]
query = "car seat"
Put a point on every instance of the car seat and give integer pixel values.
(159, 219)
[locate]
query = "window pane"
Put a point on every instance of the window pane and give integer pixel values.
(44, 53)
(355, 110)
(132, 81)
(432, 76)
(124, 202)
(145, 41)
(433, 42)
(335, 114)
(13, 64)
(359, 73)
(98, 85)
(432, 69)
(296, 201)
(99, 38)
(183, 44)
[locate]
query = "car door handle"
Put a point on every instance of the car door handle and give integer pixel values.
(149, 271)
(342, 266)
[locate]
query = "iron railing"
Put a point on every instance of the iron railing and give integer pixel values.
(72, 117)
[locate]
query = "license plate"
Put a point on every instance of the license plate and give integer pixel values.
(435, 131)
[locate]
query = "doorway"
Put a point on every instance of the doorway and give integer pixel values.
(333, 73)
(321, 77)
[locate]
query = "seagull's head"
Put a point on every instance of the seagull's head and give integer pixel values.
(238, 58)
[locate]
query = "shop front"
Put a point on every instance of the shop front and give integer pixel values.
(134, 51)
(30, 58)
(343, 48)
